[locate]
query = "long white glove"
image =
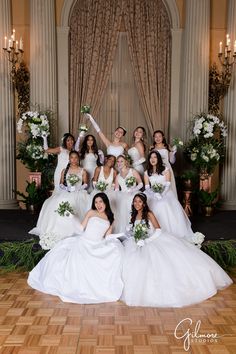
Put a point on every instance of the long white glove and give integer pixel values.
(81, 136)
(94, 124)
(101, 156)
(135, 188)
(62, 187)
(139, 162)
(172, 156)
(83, 187)
(45, 142)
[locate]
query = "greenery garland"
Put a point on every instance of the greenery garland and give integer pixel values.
(24, 255)
(20, 255)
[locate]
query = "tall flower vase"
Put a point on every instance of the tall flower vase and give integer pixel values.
(187, 197)
(205, 182)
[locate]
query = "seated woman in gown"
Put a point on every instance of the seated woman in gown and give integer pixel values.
(87, 268)
(162, 201)
(137, 150)
(127, 183)
(115, 147)
(73, 190)
(167, 153)
(165, 271)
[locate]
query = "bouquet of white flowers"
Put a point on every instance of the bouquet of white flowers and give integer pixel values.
(140, 232)
(198, 239)
(65, 209)
(177, 142)
(36, 122)
(73, 179)
(48, 240)
(101, 186)
(85, 109)
(158, 188)
(130, 181)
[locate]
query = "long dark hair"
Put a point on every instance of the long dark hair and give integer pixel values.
(144, 135)
(145, 211)
(84, 148)
(160, 165)
(65, 137)
(68, 166)
(164, 142)
(108, 210)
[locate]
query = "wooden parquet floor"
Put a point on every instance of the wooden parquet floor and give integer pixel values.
(35, 323)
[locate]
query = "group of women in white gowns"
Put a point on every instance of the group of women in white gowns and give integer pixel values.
(94, 266)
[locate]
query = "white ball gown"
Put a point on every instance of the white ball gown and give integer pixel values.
(62, 162)
(84, 269)
(165, 158)
(137, 161)
(169, 272)
(124, 200)
(89, 163)
(168, 210)
(51, 227)
(115, 150)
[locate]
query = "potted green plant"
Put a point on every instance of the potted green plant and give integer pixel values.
(189, 179)
(34, 198)
(207, 201)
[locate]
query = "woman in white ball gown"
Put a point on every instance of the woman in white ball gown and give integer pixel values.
(62, 152)
(137, 150)
(127, 183)
(164, 271)
(84, 269)
(166, 208)
(115, 147)
(90, 157)
(167, 153)
(52, 227)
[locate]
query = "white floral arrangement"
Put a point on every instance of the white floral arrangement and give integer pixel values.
(72, 179)
(206, 124)
(207, 153)
(48, 240)
(101, 186)
(85, 109)
(198, 239)
(36, 122)
(130, 181)
(178, 143)
(140, 232)
(158, 188)
(83, 128)
(35, 151)
(65, 209)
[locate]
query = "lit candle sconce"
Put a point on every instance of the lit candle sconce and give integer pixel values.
(227, 60)
(14, 50)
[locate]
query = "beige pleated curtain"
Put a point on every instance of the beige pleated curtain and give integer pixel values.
(95, 26)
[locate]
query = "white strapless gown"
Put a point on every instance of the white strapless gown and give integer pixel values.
(51, 225)
(83, 269)
(137, 163)
(168, 211)
(115, 150)
(62, 162)
(89, 164)
(124, 200)
(165, 158)
(169, 272)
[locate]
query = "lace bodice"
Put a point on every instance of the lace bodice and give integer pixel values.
(115, 150)
(96, 228)
(108, 180)
(155, 178)
(135, 155)
(89, 163)
(122, 181)
(79, 174)
(164, 155)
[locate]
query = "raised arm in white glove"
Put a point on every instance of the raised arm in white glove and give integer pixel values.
(135, 188)
(45, 142)
(81, 136)
(92, 120)
(172, 156)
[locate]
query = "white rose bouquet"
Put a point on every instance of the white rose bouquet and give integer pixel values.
(130, 181)
(65, 209)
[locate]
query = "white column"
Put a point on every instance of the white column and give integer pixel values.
(195, 62)
(229, 168)
(7, 119)
(43, 71)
